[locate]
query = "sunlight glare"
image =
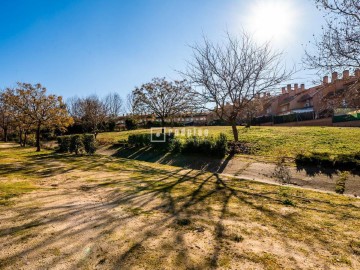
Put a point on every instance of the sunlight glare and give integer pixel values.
(271, 20)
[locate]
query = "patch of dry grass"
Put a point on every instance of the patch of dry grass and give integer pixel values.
(121, 214)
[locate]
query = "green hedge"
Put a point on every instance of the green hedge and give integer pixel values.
(78, 144)
(142, 140)
(64, 143)
(346, 117)
(217, 146)
(342, 162)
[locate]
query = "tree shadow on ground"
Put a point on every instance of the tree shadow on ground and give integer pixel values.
(168, 205)
(328, 171)
(196, 162)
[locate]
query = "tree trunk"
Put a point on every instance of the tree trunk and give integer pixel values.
(20, 138)
(5, 134)
(38, 138)
(235, 132)
(162, 125)
(25, 139)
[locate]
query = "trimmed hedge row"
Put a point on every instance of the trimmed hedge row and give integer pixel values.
(343, 161)
(157, 142)
(78, 144)
(217, 146)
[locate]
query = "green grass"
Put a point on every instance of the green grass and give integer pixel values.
(11, 189)
(266, 141)
(235, 223)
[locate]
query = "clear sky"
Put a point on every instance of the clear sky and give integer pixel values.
(80, 47)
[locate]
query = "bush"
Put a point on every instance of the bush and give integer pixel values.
(344, 161)
(76, 144)
(340, 182)
(281, 172)
(206, 146)
(139, 140)
(89, 143)
(175, 146)
(130, 124)
(64, 143)
(31, 140)
(193, 145)
(221, 145)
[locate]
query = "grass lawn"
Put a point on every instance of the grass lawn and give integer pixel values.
(267, 141)
(110, 213)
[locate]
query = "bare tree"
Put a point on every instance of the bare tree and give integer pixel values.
(130, 103)
(92, 113)
(339, 45)
(113, 104)
(73, 106)
(163, 98)
(232, 74)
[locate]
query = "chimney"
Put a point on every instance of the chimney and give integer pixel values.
(283, 91)
(302, 87)
(325, 80)
(334, 76)
(288, 88)
(346, 74)
(296, 88)
(357, 72)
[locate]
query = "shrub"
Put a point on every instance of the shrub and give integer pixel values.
(281, 172)
(64, 143)
(191, 145)
(130, 124)
(175, 146)
(31, 140)
(163, 146)
(240, 148)
(206, 146)
(288, 202)
(221, 145)
(139, 140)
(76, 144)
(340, 182)
(347, 162)
(89, 143)
(344, 161)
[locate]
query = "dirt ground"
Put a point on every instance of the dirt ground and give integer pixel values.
(109, 213)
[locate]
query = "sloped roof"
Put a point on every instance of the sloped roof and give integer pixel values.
(304, 98)
(286, 100)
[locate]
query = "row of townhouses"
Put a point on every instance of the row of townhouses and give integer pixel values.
(319, 101)
(316, 99)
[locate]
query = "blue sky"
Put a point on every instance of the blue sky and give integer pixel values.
(80, 47)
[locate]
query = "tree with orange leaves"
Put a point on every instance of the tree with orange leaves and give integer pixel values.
(43, 111)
